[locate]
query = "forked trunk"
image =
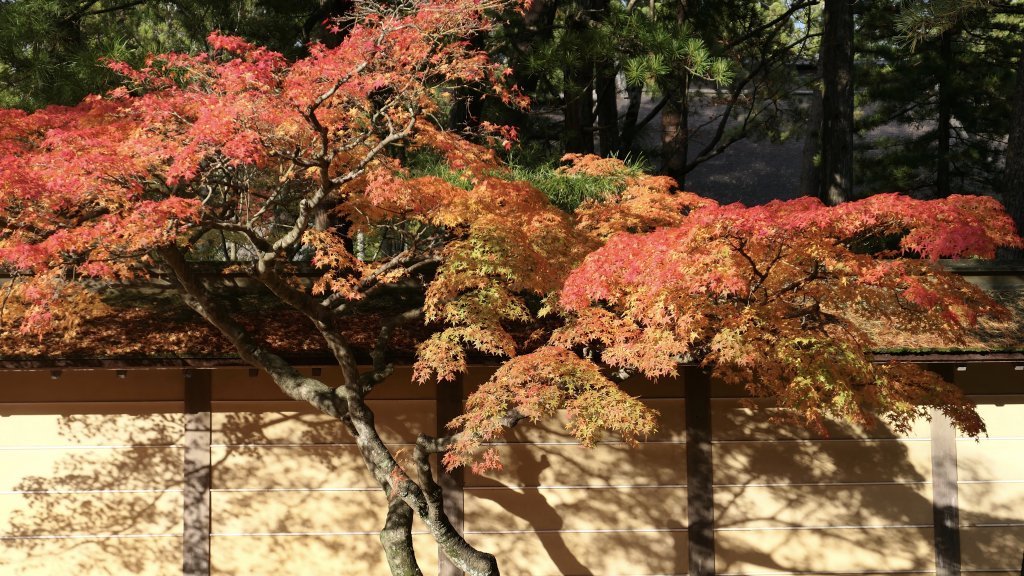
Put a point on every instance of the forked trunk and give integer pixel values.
(346, 403)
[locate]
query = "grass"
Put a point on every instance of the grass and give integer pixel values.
(566, 191)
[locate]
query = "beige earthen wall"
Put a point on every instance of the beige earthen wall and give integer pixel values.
(556, 508)
(90, 483)
(793, 501)
(990, 473)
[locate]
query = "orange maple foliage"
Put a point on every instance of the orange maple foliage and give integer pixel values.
(771, 298)
(237, 154)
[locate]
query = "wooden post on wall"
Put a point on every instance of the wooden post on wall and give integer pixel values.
(449, 405)
(197, 474)
(700, 504)
(945, 506)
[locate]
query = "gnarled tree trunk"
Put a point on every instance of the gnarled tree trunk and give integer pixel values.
(346, 403)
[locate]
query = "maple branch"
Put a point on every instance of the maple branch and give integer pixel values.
(368, 289)
(309, 206)
(388, 140)
(437, 445)
(258, 241)
(292, 157)
(314, 121)
(810, 277)
(740, 246)
(270, 201)
(7, 296)
(291, 382)
(381, 367)
(337, 85)
(321, 318)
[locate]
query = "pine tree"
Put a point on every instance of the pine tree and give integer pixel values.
(52, 51)
(740, 52)
(943, 81)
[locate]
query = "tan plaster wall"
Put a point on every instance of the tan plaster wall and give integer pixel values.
(90, 484)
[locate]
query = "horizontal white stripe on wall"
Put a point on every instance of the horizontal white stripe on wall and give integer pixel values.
(822, 527)
(353, 489)
(580, 531)
(310, 445)
(822, 573)
(869, 442)
(577, 487)
(110, 491)
(86, 447)
(784, 484)
(575, 443)
(92, 536)
(164, 406)
(414, 532)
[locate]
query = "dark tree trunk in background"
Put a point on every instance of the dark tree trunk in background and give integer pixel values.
(537, 29)
(578, 131)
(810, 162)
(944, 128)
(607, 108)
(468, 100)
(635, 95)
(1013, 177)
(315, 28)
(607, 95)
(675, 118)
(837, 103)
(674, 133)
(578, 79)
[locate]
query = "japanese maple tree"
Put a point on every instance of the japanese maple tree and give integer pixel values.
(274, 167)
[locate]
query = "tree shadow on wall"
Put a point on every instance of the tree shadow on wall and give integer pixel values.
(612, 509)
(291, 485)
(92, 494)
(786, 500)
(106, 497)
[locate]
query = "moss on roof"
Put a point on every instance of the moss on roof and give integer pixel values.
(138, 328)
